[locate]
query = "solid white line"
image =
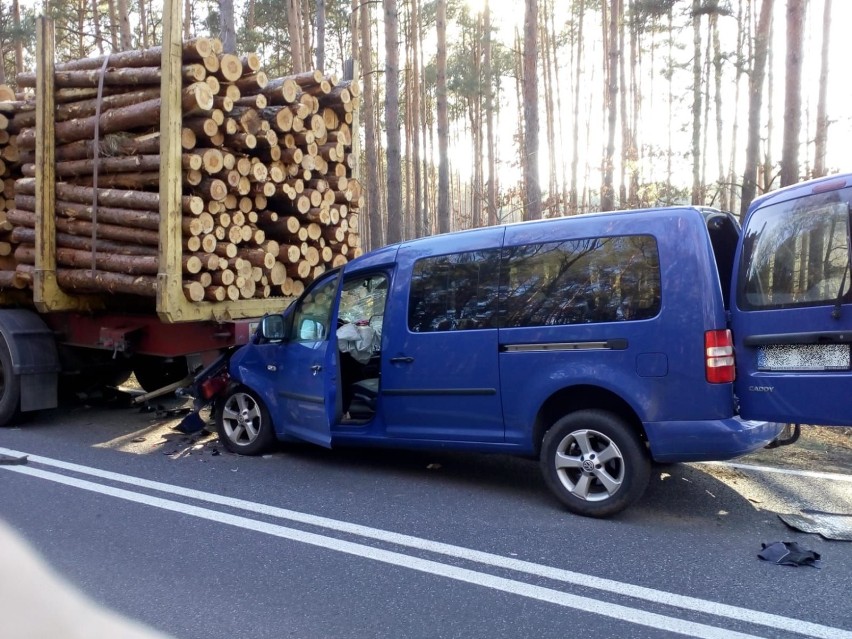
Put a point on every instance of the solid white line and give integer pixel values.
(784, 471)
(548, 595)
(587, 581)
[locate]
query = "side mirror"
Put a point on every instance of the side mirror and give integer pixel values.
(272, 328)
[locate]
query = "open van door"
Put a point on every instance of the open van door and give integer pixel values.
(791, 313)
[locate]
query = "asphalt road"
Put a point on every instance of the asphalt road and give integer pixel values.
(174, 532)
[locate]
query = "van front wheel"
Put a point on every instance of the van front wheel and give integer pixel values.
(594, 463)
(243, 422)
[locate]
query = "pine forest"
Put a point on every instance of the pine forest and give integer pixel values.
(479, 112)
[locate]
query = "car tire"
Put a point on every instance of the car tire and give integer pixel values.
(594, 463)
(243, 422)
(10, 387)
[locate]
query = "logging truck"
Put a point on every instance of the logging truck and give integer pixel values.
(154, 203)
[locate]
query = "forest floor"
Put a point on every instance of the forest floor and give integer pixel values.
(820, 448)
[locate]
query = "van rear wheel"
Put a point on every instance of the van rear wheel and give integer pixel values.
(594, 463)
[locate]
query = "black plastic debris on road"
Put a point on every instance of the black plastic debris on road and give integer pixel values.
(789, 553)
(834, 526)
(9, 460)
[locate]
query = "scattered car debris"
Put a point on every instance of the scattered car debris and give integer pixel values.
(834, 526)
(789, 553)
(165, 413)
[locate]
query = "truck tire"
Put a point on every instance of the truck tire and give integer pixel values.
(595, 463)
(153, 373)
(10, 387)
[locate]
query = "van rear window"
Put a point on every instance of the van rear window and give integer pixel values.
(608, 279)
(605, 279)
(797, 253)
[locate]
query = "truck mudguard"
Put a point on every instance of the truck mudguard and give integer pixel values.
(34, 356)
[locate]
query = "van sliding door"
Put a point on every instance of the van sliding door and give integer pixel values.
(440, 379)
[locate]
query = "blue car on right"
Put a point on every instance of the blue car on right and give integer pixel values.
(596, 343)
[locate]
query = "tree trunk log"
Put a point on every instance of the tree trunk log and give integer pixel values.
(23, 235)
(127, 264)
(83, 228)
(135, 218)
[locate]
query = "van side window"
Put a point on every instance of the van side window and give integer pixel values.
(454, 292)
(797, 253)
(605, 279)
(312, 316)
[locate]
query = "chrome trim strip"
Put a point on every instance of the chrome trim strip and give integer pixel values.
(438, 391)
(562, 346)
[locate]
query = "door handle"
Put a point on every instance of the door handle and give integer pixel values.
(316, 368)
(401, 360)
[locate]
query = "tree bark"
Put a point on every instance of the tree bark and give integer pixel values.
(394, 181)
(697, 197)
(124, 26)
(491, 189)
(612, 54)
(84, 228)
(820, 141)
(580, 13)
(793, 92)
(320, 30)
(227, 31)
(295, 35)
(24, 235)
(113, 263)
(758, 72)
(443, 211)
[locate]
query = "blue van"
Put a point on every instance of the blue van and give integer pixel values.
(596, 343)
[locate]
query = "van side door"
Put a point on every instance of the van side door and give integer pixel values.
(792, 315)
(440, 378)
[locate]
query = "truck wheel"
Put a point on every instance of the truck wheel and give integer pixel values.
(594, 463)
(10, 387)
(153, 373)
(243, 422)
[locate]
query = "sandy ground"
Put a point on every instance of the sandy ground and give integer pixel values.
(820, 448)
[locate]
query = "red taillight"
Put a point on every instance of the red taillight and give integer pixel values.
(719, 357)
(213, 386)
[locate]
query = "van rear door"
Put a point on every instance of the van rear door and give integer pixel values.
(792, 309)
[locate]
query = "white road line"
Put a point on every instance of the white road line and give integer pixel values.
(784, 471)
(586, 581)
(548, 595)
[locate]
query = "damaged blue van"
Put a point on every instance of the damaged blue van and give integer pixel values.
(597, 344)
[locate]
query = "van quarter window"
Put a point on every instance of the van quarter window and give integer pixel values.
(796, 253)
(607, 279)
(454, 292)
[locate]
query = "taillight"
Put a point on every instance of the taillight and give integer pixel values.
(719, 357)
(213, 386)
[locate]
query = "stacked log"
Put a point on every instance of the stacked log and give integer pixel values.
(9, 172)
(268, 198)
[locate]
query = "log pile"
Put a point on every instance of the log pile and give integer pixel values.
(268, 198)
(9, 172)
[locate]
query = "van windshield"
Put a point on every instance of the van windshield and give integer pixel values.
(796, 253)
